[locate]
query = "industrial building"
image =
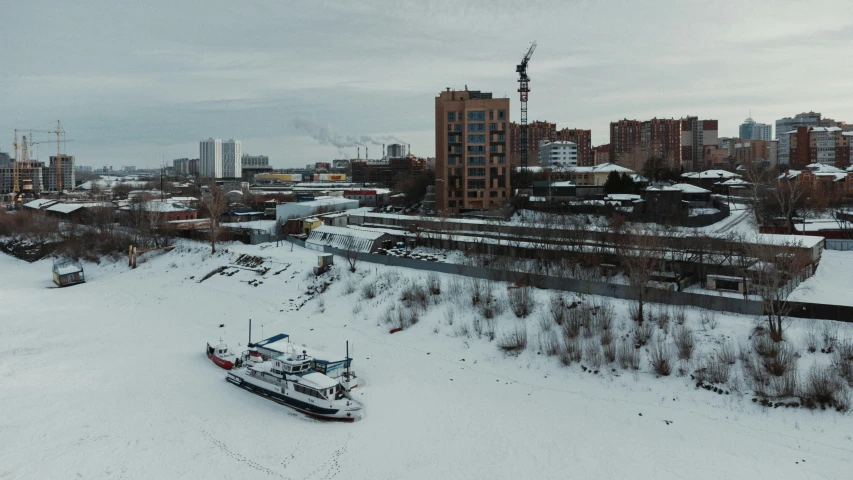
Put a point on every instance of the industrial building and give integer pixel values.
(287, 211)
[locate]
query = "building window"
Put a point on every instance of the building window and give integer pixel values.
(493, 171)
(493, 194)
(476, 160)
(476, 139)
(472, 194)
(493, 126)
(451, 203)
(476, 127)
(501, 114)
(476, 172)
(477, 116)
(451, 161)
(476, 149)
(451, 116)
(457, 127)
(501, 159)
(501, 137)
(476, 183)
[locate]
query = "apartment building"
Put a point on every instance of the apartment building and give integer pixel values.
(751, 130)
(807, 145)
(471, 145)
(539, 131)
(558, 153)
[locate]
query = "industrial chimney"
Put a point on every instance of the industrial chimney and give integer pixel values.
(359, 153)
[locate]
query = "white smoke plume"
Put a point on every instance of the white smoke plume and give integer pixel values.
(326, 135)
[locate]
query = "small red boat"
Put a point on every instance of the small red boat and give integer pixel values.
(221, 356)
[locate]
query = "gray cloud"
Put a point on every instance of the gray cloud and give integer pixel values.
(326, 135)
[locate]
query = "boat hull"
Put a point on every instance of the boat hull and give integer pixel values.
(227, 365)
(314, 411)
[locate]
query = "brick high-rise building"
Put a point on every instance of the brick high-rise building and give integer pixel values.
(581, 138)
(695, 136)
(633, 143)
(601, 154)
(471, 147)
(537, 131)
(807, 145)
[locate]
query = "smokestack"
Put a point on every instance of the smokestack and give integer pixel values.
(366, 154)
(359, 153)
(410, 149)
(383, 150)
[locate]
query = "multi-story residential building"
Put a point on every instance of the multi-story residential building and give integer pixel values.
(232, 159)
(181, 166)
(750, 130)
(750, 151)
(210, 158)
(547, 131)
(194, 166)
(61, 169)
(787, 124)
(537, 131)
(601, 154)
(558, 153)
(255, 160)
(583, 139)
(695, 136)
(807, 145)
(471, 146)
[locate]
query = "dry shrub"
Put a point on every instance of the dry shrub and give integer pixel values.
(829, 337)
(571, 352)
(514, 341)
(726, 353)
(628, 356)
(823, 387)
(476, 288)
(592, 353)
(712, 370)
(368, 291)
(661, 359)
(572, 324)
(606, 337)
(660, 315)
(708, 319)
(415, 296)
(449, 314)
(434, 283)
(349, 287)
(642, 334)
(842, 361)
(605, 314)
(388, 315)
(812, 338)
(557, 309)
(484, 327)
(549, 343)
(684, 343)
(609, 352)
(764, 346)
(679, 314)
(406, 317)
(521, 301)
(784, 361)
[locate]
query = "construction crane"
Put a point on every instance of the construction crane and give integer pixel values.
(59, 140)
(523, 90)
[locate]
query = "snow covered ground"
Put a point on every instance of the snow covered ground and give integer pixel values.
(108, 379)
(831, 282)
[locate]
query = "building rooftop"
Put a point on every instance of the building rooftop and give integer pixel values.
(687, 188)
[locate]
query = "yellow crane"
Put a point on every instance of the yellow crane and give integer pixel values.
(58, 132)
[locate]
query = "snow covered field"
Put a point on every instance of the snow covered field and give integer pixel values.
(109, 380)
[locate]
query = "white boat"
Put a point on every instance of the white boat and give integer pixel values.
(289, 380)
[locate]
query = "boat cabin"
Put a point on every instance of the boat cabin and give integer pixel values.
(67, 272)
(334, 366)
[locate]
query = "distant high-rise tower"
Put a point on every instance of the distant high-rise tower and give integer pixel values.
(232, 159)
(750, 130)
(210, 158)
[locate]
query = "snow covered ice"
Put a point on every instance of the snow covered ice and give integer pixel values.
(109, 379)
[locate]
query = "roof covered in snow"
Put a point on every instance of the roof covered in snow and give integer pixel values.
(344, 238)
(710, 174)
(163, 206)
(40, 203)
(687, 188)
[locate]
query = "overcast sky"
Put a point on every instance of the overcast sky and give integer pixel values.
(135, 82)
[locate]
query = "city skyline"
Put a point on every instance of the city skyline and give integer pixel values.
(137, 101)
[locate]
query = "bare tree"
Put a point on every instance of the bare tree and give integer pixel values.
(216, 204)
(351, 253)
(777, 270)
(639, 251)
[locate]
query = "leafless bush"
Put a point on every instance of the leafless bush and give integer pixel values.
(757, 376)
(557, 309)
(829, 337)
(572, 324)
(812, 338)
(571, 352)
(660, 315)
(592, 353)
(661, 358)
(822, 386)
(388, 315)
(415, 296)
(462, 330)
(476, 287)
(515, 340)
(606, 337)
(356, 309)
(634, 312)
(434, 283)
(484, 327)
(605, 314)
(590, 324)
(609, 352)
(449, 315)
(642, 334)
(684, 343)
(521, 301)
(679, 314)
(545, 322)
(369, 290)
(842, 361)
(784, 361)
(726, 353)
(350, 287)
(549, 343)
(628, 356)
(765, 346)
(712, 369)
(708, 319)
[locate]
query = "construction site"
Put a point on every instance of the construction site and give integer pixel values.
(23, 176)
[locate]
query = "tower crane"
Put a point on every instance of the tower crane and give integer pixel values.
(59, 132)
(524, 90)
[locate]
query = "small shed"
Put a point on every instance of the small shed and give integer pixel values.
(68, 272)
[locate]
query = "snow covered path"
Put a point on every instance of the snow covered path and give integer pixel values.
(108, 380)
